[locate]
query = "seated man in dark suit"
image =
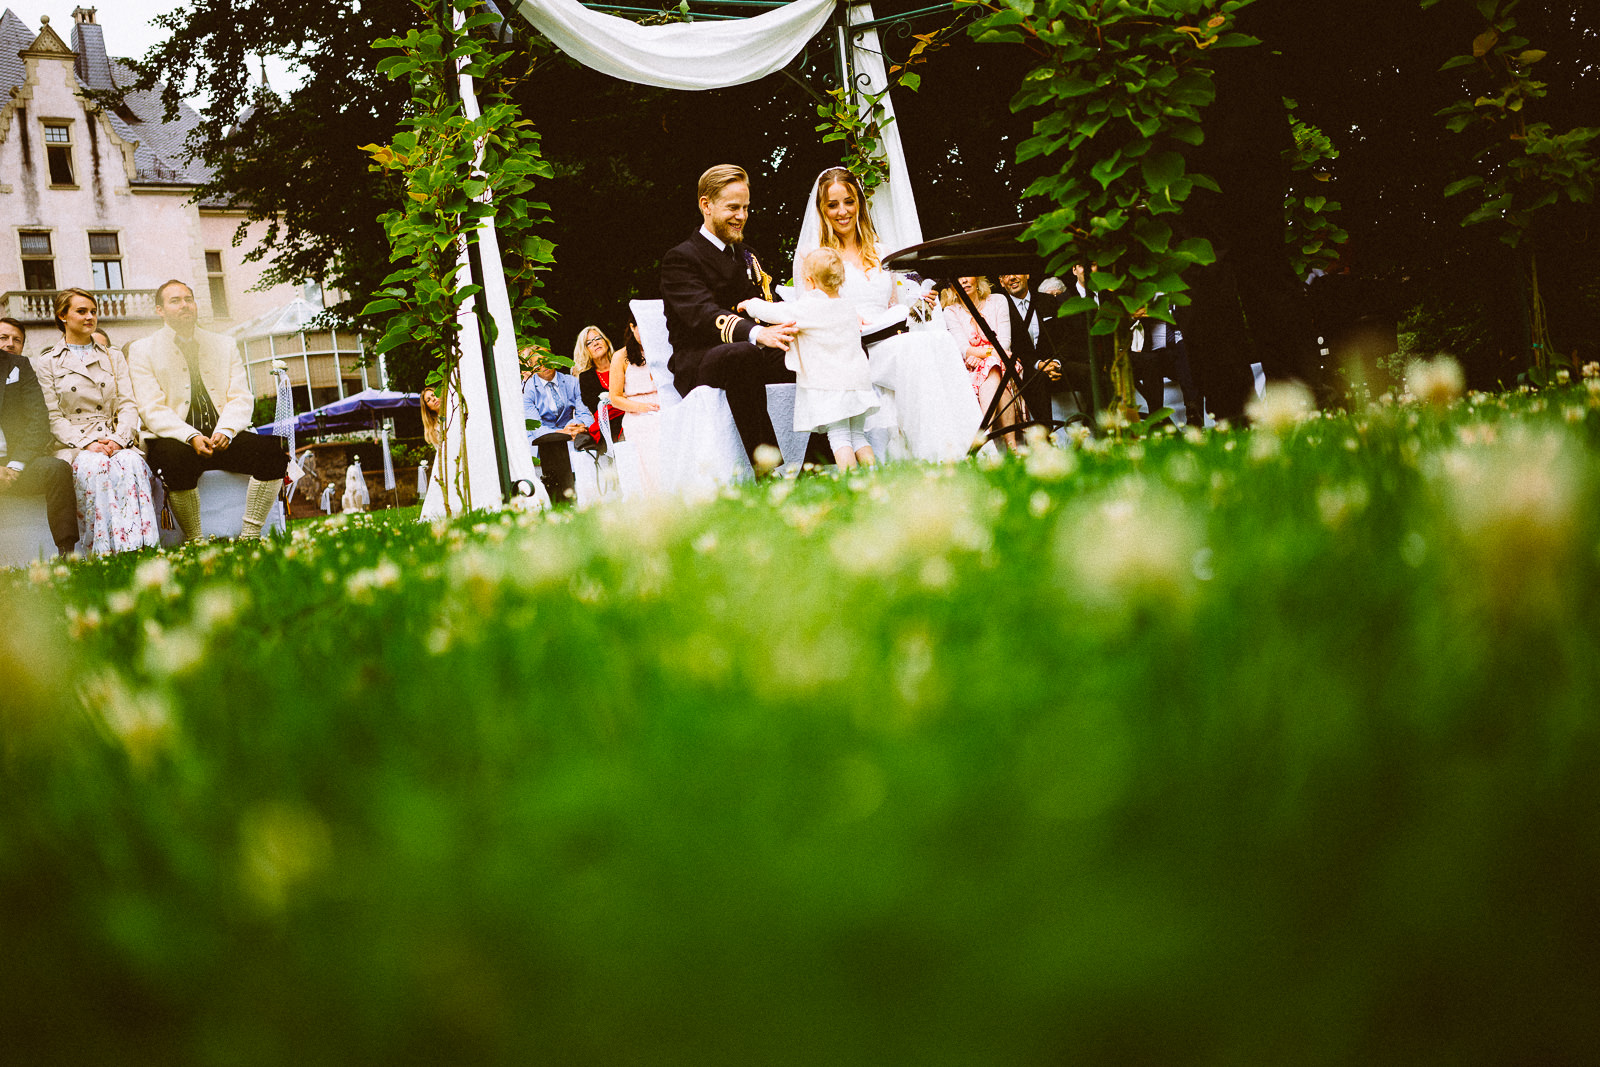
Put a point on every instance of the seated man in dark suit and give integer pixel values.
(1033, 316)
(27, 467)
(702, 281)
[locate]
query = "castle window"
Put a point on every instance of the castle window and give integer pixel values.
(105, 260)
(58, 152)
(38, 261)
(219, 291)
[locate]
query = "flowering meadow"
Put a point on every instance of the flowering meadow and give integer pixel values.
(1279, 746)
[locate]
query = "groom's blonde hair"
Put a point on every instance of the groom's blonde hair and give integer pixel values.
(718, 178)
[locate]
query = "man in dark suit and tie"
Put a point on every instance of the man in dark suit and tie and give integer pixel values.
(27, 467)
(1033, 315)
(703, 281)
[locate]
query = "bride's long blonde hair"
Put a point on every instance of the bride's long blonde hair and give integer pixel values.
(866, 236)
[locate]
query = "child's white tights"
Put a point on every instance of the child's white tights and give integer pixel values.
(849, 434)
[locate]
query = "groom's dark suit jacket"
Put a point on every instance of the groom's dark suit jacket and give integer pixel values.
(700, 287)
(22, 415)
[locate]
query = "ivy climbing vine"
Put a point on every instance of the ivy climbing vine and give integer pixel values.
(458, 171)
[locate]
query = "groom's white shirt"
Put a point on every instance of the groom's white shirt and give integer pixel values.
(717, 242)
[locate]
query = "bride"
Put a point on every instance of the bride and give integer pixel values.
(928, 399)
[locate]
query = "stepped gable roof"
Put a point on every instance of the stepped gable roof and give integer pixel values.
(14, 37)
(159, 153)
(160, 156)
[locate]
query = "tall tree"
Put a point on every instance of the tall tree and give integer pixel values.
(292, 160)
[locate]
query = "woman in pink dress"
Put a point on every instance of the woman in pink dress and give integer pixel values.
(984, 364)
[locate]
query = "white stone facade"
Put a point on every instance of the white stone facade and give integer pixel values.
(101, 197)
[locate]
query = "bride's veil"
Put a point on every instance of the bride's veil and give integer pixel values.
(810, 225)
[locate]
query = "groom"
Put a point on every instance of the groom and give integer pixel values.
(702, 281)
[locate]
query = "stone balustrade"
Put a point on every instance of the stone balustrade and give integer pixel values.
(37, 306)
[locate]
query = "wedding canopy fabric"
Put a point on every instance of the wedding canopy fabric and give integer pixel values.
(680, 55)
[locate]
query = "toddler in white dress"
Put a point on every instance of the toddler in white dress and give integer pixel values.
(834, 393)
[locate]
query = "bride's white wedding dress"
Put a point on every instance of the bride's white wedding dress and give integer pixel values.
(928, 403)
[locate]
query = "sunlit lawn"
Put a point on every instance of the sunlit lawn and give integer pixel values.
(1268, 747)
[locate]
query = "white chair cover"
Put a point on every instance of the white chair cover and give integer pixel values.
(700, 447)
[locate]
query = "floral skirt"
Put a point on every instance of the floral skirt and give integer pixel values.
(116, 512)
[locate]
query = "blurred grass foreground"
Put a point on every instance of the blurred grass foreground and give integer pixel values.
(1251, 748)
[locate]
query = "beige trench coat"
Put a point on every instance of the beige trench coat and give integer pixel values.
(88, 397)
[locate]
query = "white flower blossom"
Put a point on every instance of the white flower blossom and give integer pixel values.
(1437, 382)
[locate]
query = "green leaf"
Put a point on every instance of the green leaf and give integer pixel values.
(1161, 169)
(1465, 183)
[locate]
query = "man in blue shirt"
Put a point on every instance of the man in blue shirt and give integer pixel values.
(553, 399)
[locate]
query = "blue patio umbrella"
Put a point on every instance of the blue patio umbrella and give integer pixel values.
(359, 411)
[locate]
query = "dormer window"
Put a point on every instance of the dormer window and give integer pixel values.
(58, 152)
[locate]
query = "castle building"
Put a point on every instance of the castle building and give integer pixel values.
(97, 192)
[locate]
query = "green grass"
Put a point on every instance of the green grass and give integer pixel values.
(1257, 749)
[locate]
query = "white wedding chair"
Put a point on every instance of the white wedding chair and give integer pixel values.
(700, 447)
(222, 499)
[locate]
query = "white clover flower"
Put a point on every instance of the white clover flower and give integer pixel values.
(1079, 434)
(170, 653)
(1039, 503)
(140, 718)
(154, 573)
(922, 519)
(1337, 505)
(1515, 506)
(1437, 382)
(767, 459)
(82, 622)
(1050, 464)
(363, 584)
(217, 606)
(1591, 371)
(1131, 546)
(1281, 407)
(1194, 435)
(1563, 377)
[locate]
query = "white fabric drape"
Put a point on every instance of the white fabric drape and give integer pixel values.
(471, 476)
(680, 55)
(894, 207)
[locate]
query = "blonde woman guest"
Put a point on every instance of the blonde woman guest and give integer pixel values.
(922, 383)
(591, 363)
(88, 394)
(432, 425)
(983, 363)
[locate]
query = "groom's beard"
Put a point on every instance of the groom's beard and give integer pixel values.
(727, 234)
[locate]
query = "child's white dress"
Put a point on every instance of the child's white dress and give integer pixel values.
(833, 382)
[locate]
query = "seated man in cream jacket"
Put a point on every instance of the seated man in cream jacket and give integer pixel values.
(195, 402)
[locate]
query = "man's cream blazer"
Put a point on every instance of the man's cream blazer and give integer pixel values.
(161, 383)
